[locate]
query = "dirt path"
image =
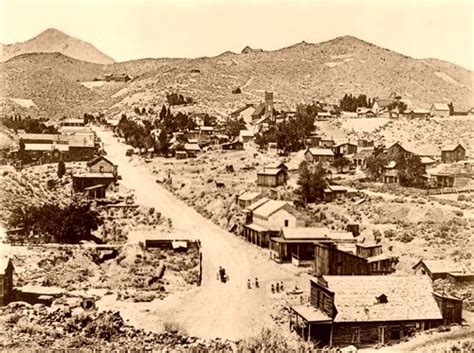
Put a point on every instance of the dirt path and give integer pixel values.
(228, 310)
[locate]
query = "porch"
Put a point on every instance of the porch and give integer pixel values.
(311, 324)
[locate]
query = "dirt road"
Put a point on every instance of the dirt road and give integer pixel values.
(215, 309)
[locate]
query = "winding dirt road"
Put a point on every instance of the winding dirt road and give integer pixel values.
(215, 309)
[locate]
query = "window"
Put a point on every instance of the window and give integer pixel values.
(356, 335)
(101, 169)
(286, 223)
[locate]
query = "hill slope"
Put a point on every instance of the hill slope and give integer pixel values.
(300, 73)
(306, 72)
(53, 40)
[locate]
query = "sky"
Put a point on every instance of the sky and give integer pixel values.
(128, 29)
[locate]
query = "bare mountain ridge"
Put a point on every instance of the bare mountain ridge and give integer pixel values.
(53, 40)
(301, 72)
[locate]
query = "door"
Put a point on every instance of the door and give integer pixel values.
(382, 335)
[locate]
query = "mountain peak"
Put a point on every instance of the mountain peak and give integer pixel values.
(53, 40)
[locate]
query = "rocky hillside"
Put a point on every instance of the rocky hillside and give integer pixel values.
(302, 72)
(53, 40)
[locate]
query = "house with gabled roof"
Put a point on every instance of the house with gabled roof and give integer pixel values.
(453, 153)
(438, 269)
(365, 310)
(248, 198)
(101, 164)
(439, 110)
(265, 218)
(272, 177)
(324, 155)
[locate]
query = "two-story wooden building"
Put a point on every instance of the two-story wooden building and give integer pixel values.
(453, 153)
(365, 310)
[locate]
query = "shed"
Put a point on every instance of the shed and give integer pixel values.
(436, 269)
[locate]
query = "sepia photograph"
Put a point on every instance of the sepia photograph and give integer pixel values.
(237, 176)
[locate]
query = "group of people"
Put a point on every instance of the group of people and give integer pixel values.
(278, 287)
(249, 284)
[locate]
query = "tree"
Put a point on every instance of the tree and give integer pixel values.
(411, 171)
(234, 126)
(340, 162)
(376, 162)
(61, 169)
(311, 181)
(451, 109)
(164, 144)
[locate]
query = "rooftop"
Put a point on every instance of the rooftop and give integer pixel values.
(249, 195)
(408, 298)
(305, 233)
(258, 203)
(310, 313)
(94, 175)
(321, 152)
(270, 171)
(442, 266)
(269, 208)
(452, 147)
(440, 106)
(4, 262)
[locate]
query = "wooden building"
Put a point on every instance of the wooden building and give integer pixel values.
(365, 310)
(334, 192)
(265, 218)
(235, 145)
(6, 281)
(296, 245)
(456, 175)
(436, 269)
(329, 260)
(366, 250)
(324, 155)
(345, 148)
(247, 198)
(102, 165)
(80, 182)
(272, 177)
(451, 308)
(440, 110)
(453, 153)
(382, 264)
(363, 143)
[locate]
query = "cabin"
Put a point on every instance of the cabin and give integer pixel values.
(248, 50)
(235, 145)
(334, 193)
(6, 281)
(461, 278)
(453, 153)
(85, 182)
(366, 250)
(271, 177)
(344, 148)
(451, 308)
(192, 149)
(82, 147)
(313, 140)
(365, 310)
(457, 175)
(265, 218)
(438, 269)
(102, 165)
(329, 260)
(181, 155)
(247, 198)
(382, 264)
(296, 245)
(440, 110)
(117, 78)
(316, 155)
(381, 105)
